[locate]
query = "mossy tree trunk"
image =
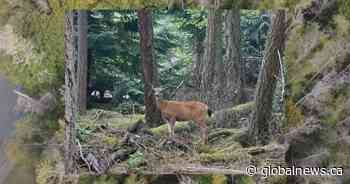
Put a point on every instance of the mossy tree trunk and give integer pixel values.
(213, 54)
(221, 81)
(197, 59)
(260, 122)
(70, 95)
(230, 71)
(150, 76)
(82, 60)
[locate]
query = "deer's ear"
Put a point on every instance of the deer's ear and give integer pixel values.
(158, 90)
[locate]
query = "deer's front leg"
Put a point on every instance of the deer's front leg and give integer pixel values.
(171, 126)
(170, 123)
(204, 131)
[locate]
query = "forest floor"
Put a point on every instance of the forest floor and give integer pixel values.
(119, 144)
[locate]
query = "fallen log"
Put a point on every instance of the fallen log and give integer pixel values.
(190, 169)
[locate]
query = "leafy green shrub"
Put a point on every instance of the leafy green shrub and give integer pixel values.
(136, 159)
(345, 8)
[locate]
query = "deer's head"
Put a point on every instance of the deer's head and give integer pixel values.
(157, 92)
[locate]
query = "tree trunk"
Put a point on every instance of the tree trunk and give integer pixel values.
(230, 73)
(152, 114)
(82, 60)
(213, 55)
(70, 95)
(221, 83)
(259, 124)
(197, 60)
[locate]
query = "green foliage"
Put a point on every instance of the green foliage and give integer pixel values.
(179, 126)
(344, 6)
(278, 179)
(192, 21)
(342, 25)
(219, 179)
(115, 63)
(114, 44)
(300, 59)
(204, 179)
(4, 12)
(275, 4)
(103, 179)
(135, 179)
(339, 154)
(136, 159)
(211, 179)
(42, 69)
(222, 156)
(30, 129)
(254, 29)
(245, 180)
(45, 172)
(336, 109)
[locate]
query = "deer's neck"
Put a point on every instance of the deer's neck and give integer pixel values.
(160, 103)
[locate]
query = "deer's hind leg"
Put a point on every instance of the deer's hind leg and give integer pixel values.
(203, 129)
(171, 125)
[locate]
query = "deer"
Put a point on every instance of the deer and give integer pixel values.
(172, 111)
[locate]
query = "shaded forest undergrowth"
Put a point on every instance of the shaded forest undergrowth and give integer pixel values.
(111, 142)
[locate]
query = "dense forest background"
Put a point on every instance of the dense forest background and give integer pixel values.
(114, 53)
(316, 56)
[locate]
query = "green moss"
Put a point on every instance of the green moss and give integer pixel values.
(304, 63)
(103, 179)
(219, 179)
(125, 121)
(294, 115)
(245, 180)
(275, 4)
(136, 159)
(5, 12)
(109, 140)
(179, 126)
(45, 172)
(135, 179)
(302, 85)
(345, 8)
(230, 117)
(278, 179)
(290, 3)
(336, 107)
(97, 117)
(332, 117)
(226, 136)
(223, 155)
(204, 179)
(204, 148)
(339, 155)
